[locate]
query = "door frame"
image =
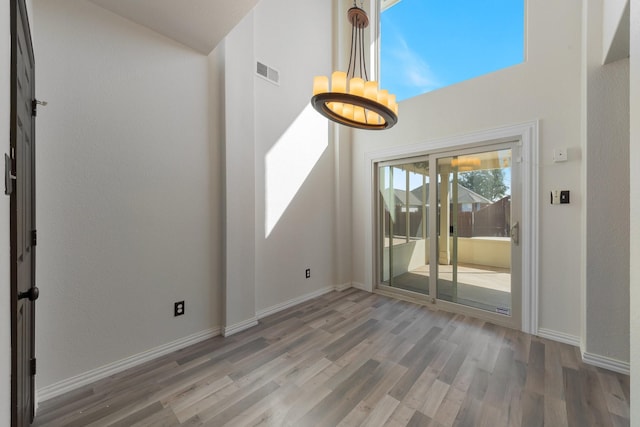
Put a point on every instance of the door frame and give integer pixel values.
(526, 135)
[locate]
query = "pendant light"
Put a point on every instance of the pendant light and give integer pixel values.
(351, 99)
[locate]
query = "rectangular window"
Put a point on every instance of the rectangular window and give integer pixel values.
(429, 44)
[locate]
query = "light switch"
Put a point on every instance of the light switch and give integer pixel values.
(559, 197)
(560, 155)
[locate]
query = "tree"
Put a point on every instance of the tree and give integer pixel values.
(488, 183)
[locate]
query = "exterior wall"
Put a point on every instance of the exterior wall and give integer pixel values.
(406, 257)
(492, 252)
(482, 251)
(124, 190)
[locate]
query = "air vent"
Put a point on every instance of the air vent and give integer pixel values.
(267, 73)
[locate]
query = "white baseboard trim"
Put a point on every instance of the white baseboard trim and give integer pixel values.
(69, 384)
(589, 358)
(64, 386)
(559, 336)
(343, 287)
(304, 298)
(606, 363)
(239, 327)
(360, 286)
(294, 301)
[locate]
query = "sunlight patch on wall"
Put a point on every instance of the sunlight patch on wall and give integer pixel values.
(290, 161)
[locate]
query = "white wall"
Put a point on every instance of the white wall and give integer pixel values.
(606, 148)
(615, 30)
(5, 270)
(239, 176)
(545, 87)
(217, 173)
(124, 190)
(279, 161)
(142, 156)
(294, 158)
(634, 235)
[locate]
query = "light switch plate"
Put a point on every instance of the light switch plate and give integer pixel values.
(560, 155)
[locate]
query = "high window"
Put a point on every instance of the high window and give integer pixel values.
(429, 44)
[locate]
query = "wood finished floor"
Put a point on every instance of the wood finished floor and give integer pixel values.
(354, 358)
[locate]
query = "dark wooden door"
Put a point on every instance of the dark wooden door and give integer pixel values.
(23, 289)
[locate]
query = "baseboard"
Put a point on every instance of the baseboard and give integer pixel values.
(239, 327)
(343, 287)
(559, 336)
(606, 363)
(589, 358)
(360, 286)
(64, 386)
(69, 384)
(294, 301)
(304, 298)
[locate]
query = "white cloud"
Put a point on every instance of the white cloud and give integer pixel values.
(407, 67)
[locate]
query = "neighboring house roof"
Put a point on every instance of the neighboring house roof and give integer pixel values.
(465, 196)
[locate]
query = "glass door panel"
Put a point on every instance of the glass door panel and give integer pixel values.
(404, 218)
(473, 230)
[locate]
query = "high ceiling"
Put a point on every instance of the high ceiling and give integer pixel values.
(199, 24)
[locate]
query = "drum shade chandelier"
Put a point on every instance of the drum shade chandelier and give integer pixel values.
(360, 103)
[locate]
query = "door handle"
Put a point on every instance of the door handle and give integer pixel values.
(32, 294)
(515, 233)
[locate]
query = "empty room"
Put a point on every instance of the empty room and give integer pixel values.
(320, 213)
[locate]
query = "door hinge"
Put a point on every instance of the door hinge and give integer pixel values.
(34, 237)
(33, 366)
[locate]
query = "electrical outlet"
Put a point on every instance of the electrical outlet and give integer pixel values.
(307, 273)
(178, 308)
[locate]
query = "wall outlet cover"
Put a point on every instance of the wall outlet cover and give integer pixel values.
(178, 308)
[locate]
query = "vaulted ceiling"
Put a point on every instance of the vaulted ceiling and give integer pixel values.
(199, 24)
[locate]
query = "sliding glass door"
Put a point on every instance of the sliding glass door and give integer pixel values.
(404, 199)
(448, 229)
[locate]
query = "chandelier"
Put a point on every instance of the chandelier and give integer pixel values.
(360, 103)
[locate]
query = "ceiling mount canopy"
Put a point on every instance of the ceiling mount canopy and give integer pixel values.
(352, 100)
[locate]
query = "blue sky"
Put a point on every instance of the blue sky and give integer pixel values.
(428, 44)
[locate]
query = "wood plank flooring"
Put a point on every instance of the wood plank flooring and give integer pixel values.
(356, 359)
